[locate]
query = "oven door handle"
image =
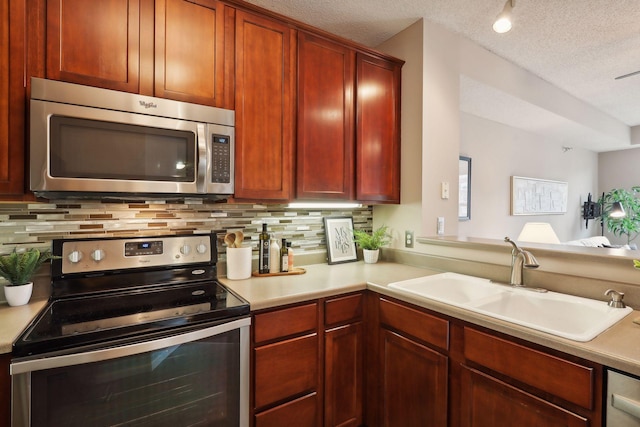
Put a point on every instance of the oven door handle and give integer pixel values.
(625, 404)
(20, 367)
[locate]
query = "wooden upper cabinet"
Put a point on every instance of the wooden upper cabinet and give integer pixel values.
(264, 108)
(190, 51)
(325, 145)
(13, 99)
(378, 130)
(96, 43)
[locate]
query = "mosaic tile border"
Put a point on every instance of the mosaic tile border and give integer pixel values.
(24, 225)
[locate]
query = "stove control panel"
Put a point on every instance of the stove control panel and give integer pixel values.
(87, 255)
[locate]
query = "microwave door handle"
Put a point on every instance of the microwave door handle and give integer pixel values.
(203, 156)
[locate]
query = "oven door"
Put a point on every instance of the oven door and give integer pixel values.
(197, 378)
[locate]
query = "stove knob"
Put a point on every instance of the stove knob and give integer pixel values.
(201, 248)
(185, 250)
(97, 255)
(75, 257)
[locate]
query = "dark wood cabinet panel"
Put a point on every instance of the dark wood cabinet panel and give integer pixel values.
(343, 309)
(13, 98)
(264, 108)
(488, 402)
(430, 329)
(343, 385)
(285, 369)
(325, 145)
(378, 130)
(302, 412)
(290, 321)
(570, 381)
(94, 43)
(5, 388)
(413, 381)
(190, 51)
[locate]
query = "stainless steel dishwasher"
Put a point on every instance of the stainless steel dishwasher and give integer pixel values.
(623, 400)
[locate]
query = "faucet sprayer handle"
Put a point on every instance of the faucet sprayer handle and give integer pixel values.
(616, 298)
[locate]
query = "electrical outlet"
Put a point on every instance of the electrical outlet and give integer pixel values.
(440, 225)
(408, 239)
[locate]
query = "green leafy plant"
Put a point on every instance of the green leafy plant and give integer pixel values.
(18, 267)
(373, 241)
(629, 225)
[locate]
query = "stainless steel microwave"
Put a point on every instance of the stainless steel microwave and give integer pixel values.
(86, 141)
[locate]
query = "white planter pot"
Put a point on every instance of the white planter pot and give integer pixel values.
(371, 256)
(18, 295)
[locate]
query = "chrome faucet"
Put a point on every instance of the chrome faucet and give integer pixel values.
(520, 259)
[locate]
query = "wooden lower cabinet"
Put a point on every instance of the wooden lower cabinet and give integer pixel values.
(301, 412)
(414, 383)
(308, 364)
(5, 390)
(489, 402)
(427, 369)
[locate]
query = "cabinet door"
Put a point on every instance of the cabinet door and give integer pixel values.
(488, 402)
(285, 369)
(378, 130)
(301, 412)
(190, 51)
(13, 98)
(325, 148)
(264, 113)
(343, 376)
(413, 383)
(96, 43)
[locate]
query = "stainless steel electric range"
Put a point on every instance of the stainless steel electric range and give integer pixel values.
(137, 332)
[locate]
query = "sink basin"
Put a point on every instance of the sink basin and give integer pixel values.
(450, 288)
(567, 316)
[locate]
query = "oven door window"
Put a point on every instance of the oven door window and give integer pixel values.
(93, 149)
(194, 384)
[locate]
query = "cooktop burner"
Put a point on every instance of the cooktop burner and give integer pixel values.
(98, 307)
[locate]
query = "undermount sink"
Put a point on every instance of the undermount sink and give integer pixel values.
(567, 316)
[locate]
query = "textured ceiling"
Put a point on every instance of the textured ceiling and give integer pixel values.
(579, 46)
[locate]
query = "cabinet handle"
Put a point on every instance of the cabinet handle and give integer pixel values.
(630, 406)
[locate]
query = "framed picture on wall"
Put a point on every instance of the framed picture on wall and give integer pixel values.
(464, 188)
(340, 245)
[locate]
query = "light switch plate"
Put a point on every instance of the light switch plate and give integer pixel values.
(444, 190)
(440, 225)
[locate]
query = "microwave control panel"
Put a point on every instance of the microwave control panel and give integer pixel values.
(220, 158)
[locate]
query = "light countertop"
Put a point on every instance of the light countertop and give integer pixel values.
(617, 347)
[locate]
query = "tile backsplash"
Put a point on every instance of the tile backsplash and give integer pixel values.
(24, 225)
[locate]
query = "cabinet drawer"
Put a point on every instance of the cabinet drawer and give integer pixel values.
(567, 380)
(285, 369)
(286, 322)
(342, 309)
(425, 327)
(303, 410)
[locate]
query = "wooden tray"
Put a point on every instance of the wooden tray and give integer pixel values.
(296, 270)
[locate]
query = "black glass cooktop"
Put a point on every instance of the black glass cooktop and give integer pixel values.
(89, 320)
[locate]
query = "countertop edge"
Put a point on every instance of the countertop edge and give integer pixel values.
(615, 348)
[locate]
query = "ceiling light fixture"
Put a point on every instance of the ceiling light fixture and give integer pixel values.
(502, 23)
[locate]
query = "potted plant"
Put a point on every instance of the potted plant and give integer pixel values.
(18, 269)
(371, 243)
(629, 225)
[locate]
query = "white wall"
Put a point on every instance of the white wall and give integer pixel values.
(430, 131)
(499, 152)
(435, 131)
